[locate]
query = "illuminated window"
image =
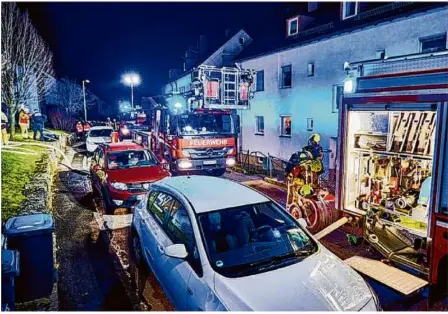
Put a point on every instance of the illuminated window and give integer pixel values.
(349, 9)
(310, 124)
(310, 69)
(338, 92)
(293, 26)
(433, 43)
(285, 122)
(286, 79)
(259, 120)
(260, 81)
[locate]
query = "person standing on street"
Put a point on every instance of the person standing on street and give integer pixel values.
(116, 125)
(24, 122)
(4, 133)
(108, 122)
(86, 128)
(38, 124)
(79, 130)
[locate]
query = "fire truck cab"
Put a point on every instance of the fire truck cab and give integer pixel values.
(196, 130)
(393, 166)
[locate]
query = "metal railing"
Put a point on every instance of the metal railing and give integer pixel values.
(256, 162)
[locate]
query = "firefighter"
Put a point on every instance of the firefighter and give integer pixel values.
(86, 127)
(38, 124)
(79, 130)
(24, 121)
(4, 129)
(116, 125)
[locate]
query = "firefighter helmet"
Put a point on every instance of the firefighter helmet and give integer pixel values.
(314, 139)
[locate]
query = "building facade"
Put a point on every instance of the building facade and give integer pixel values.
(299, 87)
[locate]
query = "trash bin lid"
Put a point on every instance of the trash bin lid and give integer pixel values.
(10, 262)
(29, 225)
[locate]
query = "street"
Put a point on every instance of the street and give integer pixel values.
(96, 268)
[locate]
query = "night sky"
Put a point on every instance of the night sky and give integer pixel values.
(100, 41)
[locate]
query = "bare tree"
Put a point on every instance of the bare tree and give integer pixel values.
(69, 97)
(27, 62)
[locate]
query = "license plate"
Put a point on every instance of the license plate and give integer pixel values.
(209, 162)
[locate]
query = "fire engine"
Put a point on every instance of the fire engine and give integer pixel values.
(393, 167)
(197, 130)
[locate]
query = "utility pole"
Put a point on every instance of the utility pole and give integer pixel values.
(84, 94)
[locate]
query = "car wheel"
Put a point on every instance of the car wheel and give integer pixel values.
(137, 254)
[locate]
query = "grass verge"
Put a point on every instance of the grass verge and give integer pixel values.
(17, 170)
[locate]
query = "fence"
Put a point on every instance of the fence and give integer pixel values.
(256, 162)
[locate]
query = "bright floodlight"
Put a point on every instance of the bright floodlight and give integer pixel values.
(131, 79)
(178, 105)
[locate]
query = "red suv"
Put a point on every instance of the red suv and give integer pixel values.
(122, 173)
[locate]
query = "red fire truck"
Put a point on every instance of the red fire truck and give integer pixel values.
(197, 130)
(393, 167)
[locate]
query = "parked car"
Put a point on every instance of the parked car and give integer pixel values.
(214, 244)
(98, 135)
(122, 173)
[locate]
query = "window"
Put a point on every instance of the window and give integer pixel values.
(310, 69)
(286, 79)
(285, 122)
(433, 43)
(309, 124)
(241, 40)
(338, 92)
(312, 6)
(380, 54)
(180, 231)
(161, 203)
(293, 26)
(349, 9)
(260, 81)
(260, 125)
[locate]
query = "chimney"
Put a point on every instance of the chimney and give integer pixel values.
(203, 45)
(190, 59)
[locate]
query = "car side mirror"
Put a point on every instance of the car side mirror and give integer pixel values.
(176, 251)
(302, 222)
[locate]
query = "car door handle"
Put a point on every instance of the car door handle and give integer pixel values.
(190, 292)
(161, 249)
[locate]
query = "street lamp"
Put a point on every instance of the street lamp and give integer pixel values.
(84, 94)
(131, 79)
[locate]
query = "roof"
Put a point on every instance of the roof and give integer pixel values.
(101, 127)
(124, 146)
(207, 193)
(271, 42)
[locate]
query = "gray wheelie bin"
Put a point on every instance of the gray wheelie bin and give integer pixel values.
(32, 236)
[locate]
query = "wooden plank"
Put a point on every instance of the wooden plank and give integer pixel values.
(392, 277)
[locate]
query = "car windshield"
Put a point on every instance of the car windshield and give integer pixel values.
(130, 159)
(203, 124)
(253, 238)
(100, 133)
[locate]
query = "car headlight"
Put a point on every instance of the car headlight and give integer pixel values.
(119, 186)
(185, 164)
(374, 300)
(230, 162)
(125, 131)
(146, 186)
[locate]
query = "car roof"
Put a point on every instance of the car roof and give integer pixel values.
(112, 147)
(207, 193)
(101, 127)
